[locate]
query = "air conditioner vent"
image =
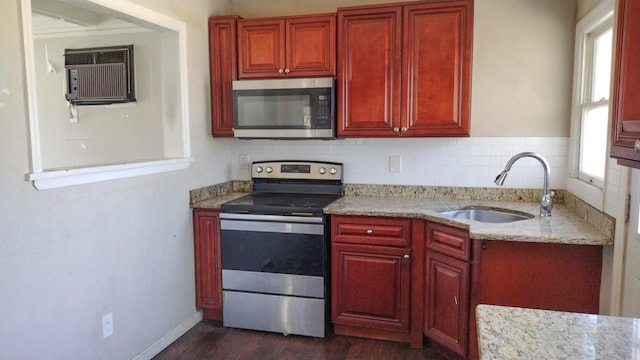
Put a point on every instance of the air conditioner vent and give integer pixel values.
(98, 76)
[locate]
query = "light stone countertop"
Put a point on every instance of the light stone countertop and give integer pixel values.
(518, 333)
(214, 202)
(563, 227)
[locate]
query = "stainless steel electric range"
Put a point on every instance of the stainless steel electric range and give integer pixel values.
(275, 249)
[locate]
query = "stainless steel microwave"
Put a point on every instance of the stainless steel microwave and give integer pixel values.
(284, 108)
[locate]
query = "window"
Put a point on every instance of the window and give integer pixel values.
(590, 110)
(595, 103)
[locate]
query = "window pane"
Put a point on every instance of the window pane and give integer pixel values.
(602, 65)
(594, 141)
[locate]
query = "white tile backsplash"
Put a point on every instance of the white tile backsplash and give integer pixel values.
(470, 162)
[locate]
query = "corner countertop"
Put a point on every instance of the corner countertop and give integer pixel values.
(563, 227)
(518, 333)
(421, 202)
(214, 202)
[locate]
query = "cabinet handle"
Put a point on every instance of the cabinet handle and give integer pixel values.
(280, 71)
(396, 129)
(455, 299)
(406, 256)
(403, 129)
(369, 232)
(286, 71)
(636, 146)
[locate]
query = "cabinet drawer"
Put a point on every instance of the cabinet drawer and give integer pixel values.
(447, 240)
(371, 230)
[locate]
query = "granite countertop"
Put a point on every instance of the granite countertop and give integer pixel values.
(518, 333)
(214, 202)
(564, 226)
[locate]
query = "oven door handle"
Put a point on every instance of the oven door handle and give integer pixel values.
(277, 218)
(272, 227)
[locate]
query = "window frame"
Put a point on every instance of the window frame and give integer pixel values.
(587, 188)
(44, 179)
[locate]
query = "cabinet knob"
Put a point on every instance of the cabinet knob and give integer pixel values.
(636, 146)
(286, 71)
(403, 129)
(396, 129)
(369, 232)
(406, 256)
(280, 71)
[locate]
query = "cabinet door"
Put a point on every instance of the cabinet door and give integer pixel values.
(223, 70)
(311, 46)
(447, 301)
(370, 286)
(626, 86)
(369, 55)
(261, 48)
(436, 98)
(208, 263)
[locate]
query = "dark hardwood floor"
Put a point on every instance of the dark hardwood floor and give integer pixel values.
(209, 340)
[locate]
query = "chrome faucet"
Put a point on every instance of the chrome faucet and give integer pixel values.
(546, 204)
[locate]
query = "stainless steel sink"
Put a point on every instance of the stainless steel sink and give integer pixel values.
(487, 214)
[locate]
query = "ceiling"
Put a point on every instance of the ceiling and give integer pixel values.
(55, 18)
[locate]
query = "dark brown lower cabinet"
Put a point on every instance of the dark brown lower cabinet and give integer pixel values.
(447, 280)
(371, 277)
(381, 304)
(206, 225)
(560, 277)
(447, 302)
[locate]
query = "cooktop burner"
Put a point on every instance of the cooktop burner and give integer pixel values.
(279, 204)
(290, 188)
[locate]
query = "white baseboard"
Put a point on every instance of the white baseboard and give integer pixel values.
(170, 337)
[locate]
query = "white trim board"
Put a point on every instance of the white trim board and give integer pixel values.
(155, 348)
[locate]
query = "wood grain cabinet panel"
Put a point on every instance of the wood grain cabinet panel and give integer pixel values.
(371, 277)
(372, 231)
(223, 70)
(447, 301)
(371, 286)
(437, 47)
(626, 86)
(405, 70)
(447, 284)
(548, 276)
(208, 263)
(369, 66)
(298, 46)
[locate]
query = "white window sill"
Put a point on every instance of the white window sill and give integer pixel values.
(52, 179)
(590, 194)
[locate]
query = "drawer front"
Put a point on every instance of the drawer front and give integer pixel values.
(371, 230)
(447, 240)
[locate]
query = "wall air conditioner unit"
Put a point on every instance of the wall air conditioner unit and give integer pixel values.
(98, 76)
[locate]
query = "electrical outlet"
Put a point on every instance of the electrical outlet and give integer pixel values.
(395, 163)
(107, 325)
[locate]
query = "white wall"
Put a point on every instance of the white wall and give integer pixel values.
(69, 256)
(472, 161)
(521, 97)
(104, 133)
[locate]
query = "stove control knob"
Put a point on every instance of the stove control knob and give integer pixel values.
(333, 171)
(258, 169)
(269, 169)
(323, 170)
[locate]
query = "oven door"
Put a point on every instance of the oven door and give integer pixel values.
(273, 273)
(273, 254)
